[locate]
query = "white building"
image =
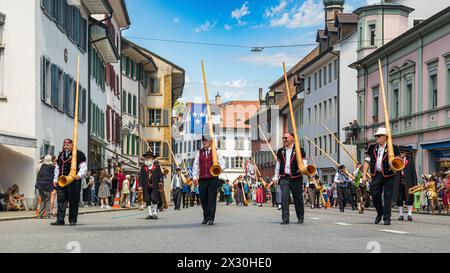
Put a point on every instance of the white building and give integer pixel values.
(233, 136)
(40, 44)
(106, 132)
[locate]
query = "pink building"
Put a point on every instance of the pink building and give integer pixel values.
(416, 67)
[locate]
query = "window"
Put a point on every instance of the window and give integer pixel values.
(221, 143)
(372, 32)
(309, 116)
(331, 107)
(60, 89)
(330, 138)
(45, 80)
(325, 113)
(130, 101)
(309, 84)
(124, 101)
(315, 114)
(68, 82)
(239, 143)
(134, 105)
(325, 75)
(320, 111)
(409, 99)
(330, 71)
(434, 91)
(336, 70)
(360, 37)
(325, 144)
(237, 162)
(335, 106)
(154, 86)
(315, 81)
(315, 147)
(320, 78)
(154, 117)
(98, 69)
(395, 103)
(336, 144)
(320, 146)
(375, 106)
(156, 148)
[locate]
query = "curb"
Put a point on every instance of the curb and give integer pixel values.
(28, 217)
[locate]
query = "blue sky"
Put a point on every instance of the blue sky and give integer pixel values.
(236, 73)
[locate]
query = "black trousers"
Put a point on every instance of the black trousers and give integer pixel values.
(381, 185)
(403, 196)
(68, 195)
(177, 198)
(208, 197)
(289, 185)
(342, 197)
(185, 199)
(274, 199)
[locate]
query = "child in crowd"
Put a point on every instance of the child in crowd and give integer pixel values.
(125, 193)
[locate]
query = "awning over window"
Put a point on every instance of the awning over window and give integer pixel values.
(16, 140)
(436, 146)
(98, 6)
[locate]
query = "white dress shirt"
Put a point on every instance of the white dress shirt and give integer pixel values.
(176, 181)
(196, 167)
(287, 167)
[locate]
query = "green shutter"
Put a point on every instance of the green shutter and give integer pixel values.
(130, 101)
(134, 105)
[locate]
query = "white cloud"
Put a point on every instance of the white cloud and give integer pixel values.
(237, 84)
(271, 60)
(176, 20)
(257, 26)
(207, 26)
(233, 95)
(310, 13)
(272, 11)
(227, 27)
(187, 80)
(240, 13)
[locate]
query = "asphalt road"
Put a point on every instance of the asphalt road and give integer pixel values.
(237, 229)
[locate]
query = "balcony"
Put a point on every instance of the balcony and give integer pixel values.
(97, 6)
(103, 37)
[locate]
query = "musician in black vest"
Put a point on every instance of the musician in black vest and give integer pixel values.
(382, 176)
(71, 193)
(208, 184)
(150, 178)
(290, 179)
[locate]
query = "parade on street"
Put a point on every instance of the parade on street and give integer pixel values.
(189, 127)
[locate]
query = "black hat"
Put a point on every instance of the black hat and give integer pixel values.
(178, 169)
(206, 138)
(404, 149)
(341, 167)
(149, 154)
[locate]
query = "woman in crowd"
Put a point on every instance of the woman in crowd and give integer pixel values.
(238, 184)
(125, 192)
(226, 189)
(86, 185)
(260, 198)
(104, 191)
(446, 192)
(44, 184)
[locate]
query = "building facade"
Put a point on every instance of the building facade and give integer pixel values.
(416, 67)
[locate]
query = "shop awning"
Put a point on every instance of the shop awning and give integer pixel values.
(436, 146)
(17, 140)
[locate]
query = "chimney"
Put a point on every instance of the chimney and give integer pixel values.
(260, 95)
(218, 99)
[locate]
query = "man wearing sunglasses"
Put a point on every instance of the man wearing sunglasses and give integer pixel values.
(382, 175)
(290, 179)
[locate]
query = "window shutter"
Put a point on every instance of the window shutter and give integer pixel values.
(130, 101)
(43, 76)
(54, 97)
(165, 117)
(124, 102)
(134, 105)
(108, 124)
(108, 74)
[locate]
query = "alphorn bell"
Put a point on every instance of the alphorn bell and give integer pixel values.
(395, 163)
(64, 181)
(215, 169)
(308, 169)
(329, 157)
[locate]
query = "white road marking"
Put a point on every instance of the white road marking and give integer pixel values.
(394, 231)
(342, 224)
(314, 218)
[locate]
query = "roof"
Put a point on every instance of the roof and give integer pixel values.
(440, 19)
(346, 18)
(384, 6)
(127, 43)
(331, 28)
(235, 113)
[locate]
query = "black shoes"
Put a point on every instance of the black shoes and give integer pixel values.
(387, 223)
(73, 224)
(149, 217)
(210, 223)
(204, 222)
(378, 220)
(300, 221)
(57, 224)
(155, 217)
(401, 218)
(410, 218)
(284, 223)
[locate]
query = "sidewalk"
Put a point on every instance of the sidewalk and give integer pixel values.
(23, 215)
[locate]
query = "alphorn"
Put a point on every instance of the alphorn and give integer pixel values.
(183, 178)
(259, 174)
(308, 169)
(329, 157)
(270, 147)
(64, 181)
(395, 163)
(215, 169)
(355, 161)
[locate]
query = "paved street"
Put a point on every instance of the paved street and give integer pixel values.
(249, 229)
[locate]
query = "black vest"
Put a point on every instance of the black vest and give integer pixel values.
(65, 162)
(372, 152)
(295, 172)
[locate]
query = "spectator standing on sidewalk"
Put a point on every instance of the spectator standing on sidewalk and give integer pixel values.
(44, 184)
(104, 191)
